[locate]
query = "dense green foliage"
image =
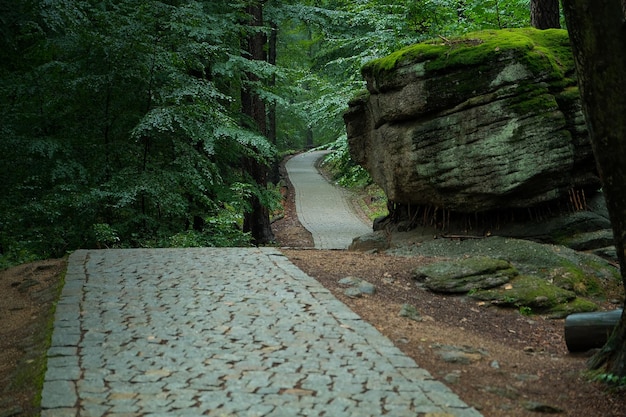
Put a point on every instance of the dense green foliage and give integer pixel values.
(121, 127)
(121, 120)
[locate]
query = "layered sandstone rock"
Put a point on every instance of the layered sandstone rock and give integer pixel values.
(488, 121)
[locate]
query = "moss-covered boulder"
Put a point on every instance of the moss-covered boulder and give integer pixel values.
(465, 274)
(488, 121)
(550, 279)
(537, 295)
(528, 291)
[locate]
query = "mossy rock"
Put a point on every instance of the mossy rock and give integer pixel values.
(545, 53)
(580, 273)
(573, 278)
(465, 274)
(578, 305)
(527, 291)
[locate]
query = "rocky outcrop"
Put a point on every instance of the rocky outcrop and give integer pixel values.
(489, 121)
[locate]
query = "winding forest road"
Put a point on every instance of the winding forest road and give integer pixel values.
(228, 332)
(322, 208)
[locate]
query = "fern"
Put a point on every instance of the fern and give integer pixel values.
(611, 379)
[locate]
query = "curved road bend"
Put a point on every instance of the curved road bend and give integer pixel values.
(322, 207)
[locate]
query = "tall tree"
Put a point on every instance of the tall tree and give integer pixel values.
(122, 125)
(257, 219)
(545, 14)
(597, 35)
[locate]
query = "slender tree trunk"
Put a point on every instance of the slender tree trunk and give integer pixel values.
(253, 106)
(271, 113)
(544, 14)
(598, 38)
(257, 221)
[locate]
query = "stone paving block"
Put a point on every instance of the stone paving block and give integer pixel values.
(62, 373)
(62, 336)
(223, 332)
(59, 412)
(94, 411)
(56, 351)
(58, 394)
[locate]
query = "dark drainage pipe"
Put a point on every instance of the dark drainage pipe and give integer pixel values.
(584, 331)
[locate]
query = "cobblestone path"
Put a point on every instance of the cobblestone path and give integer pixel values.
(221, 332)
(322, 208)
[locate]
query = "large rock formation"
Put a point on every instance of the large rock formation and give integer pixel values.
(488, 121)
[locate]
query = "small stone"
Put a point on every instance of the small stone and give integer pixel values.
(463, 355)
(452, 377)
(455, 357)
(410, 312)
(349, 281)
(495, 365)
(529, 349)
(367, 288)
(505, 392)
(526, 377)
(353, 292)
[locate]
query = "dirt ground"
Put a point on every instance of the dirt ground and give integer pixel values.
(27, 296)
(511, 365)
(508, 363)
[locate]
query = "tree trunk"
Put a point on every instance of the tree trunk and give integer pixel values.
(271, 114)
(584, 331)
(598, 39)
(257, 221)
(544, 14)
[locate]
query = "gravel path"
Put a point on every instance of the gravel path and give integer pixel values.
(321, 207)
(229, 332)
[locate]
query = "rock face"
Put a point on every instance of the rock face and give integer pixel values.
(488, 121)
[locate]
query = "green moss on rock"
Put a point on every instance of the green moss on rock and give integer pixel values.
(527, 291)
(466, 274)
(573, 278)
(543, 52)
(361, 96)
(535, 102)
(569, 94)
(454, 269)
(578, 305)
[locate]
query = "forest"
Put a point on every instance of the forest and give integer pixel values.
(132, 123)
(161, 123)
